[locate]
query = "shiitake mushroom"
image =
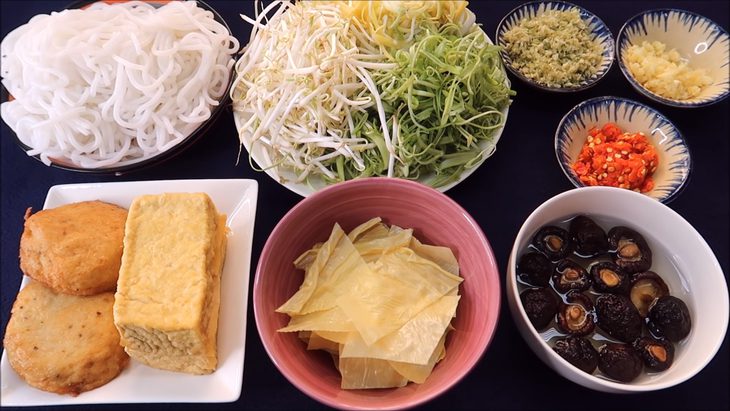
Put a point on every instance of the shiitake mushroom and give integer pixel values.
(629, 249)
(554, 242)
(569, 275)
(534, 269)
(540, 306)
(618, 317)
(647, 287)
(576, 316)
(610, 278)
(669, 317)
(658, 355)
(589, 239)
(620, 362)
(579, 352)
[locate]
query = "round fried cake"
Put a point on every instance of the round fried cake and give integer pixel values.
(75, 248)
(63, 343)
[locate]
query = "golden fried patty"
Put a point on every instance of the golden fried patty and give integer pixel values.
(62, 343)
(75, 248)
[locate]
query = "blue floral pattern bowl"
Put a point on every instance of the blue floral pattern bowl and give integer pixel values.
(701, 42)
(530, 10)
(674, 160)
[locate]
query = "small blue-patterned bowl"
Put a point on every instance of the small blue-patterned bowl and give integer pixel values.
(700, 41)
(530, 10)
(674, 161)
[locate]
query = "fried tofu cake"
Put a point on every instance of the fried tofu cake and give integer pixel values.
(61, 343)
(76, 248)
(168, 295)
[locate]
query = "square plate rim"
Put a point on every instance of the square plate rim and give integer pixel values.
(247, 191)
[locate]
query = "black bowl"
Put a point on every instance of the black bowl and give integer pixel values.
(160, 157)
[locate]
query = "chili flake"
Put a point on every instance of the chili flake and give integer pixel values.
(611, 157)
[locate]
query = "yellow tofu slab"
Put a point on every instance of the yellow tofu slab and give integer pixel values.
(168, 294)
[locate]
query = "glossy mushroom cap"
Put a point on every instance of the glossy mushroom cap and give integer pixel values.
(569, 275)
(554, 242)
(576, 317)
(610, 278)
(670, 318)
(589, 238)
(579, 352)
(617, 316)
(534, 269)
(646, 288)
(620, 362)
(658, 355)
(629, 249)
(540, 306)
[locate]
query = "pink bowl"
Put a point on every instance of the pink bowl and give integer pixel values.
(436, 220)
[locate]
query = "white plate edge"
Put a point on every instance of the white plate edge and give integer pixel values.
(249, 191)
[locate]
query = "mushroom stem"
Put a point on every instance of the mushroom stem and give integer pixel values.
(658, 352)
(630, 250)
(610, 278)
(554, 242)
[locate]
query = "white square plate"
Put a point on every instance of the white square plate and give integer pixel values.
(139, 383)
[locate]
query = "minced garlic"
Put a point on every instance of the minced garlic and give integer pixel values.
(664, 72)
(555, 49)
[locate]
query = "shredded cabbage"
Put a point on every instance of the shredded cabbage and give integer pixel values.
(396, 24)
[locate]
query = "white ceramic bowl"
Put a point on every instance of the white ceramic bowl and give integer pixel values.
(699, 40)
(674, 160)
(530, 10)
(697, 279)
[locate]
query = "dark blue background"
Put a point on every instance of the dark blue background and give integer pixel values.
(521, 175)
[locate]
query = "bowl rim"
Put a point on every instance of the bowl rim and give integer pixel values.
(596, 100)
(494, 306)
(160, 157)
(643, 90)
(583, 11)
(518, 310)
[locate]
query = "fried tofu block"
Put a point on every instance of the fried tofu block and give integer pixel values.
(168, 294)
(75, 248)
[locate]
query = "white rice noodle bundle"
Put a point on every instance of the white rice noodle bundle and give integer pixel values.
(113, 85)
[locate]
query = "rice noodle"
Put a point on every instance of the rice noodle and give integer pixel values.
(113, 85)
